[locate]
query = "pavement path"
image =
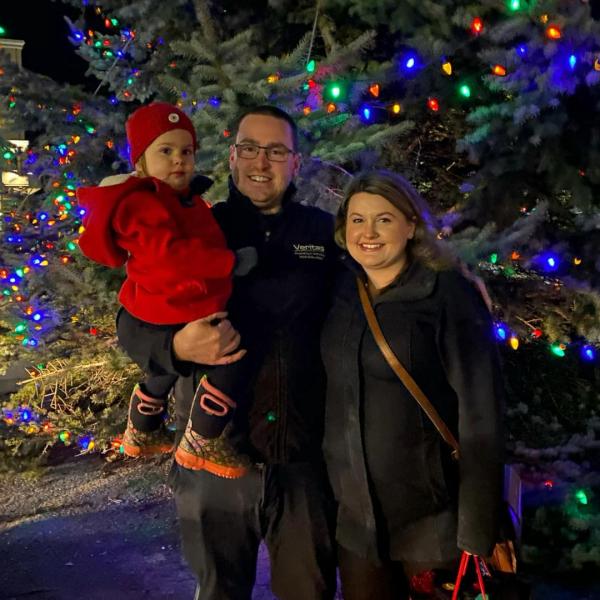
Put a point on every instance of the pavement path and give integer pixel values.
(92, 530)
(95, 531)
(121, 553)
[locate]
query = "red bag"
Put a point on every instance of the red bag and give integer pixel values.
(462, 569)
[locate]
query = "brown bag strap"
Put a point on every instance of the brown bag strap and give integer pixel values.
(404, 376)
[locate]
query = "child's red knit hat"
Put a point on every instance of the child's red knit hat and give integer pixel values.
(152, 120)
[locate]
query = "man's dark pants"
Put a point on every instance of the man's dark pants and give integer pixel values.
(223, 521)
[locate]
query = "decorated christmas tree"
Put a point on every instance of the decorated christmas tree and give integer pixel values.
(491, 108)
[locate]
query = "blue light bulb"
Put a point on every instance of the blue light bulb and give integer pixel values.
(572, 61)
(501, 332)
(549, 262)
(588, 353)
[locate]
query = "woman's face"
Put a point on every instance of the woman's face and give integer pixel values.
(376, 235)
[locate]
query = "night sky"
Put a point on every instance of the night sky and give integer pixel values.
(47, 48)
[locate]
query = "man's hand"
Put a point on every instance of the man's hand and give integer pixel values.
(205, 343)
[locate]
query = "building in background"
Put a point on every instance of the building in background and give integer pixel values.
(11, 52)
(11, 182)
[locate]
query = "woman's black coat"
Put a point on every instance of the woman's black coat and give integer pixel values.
(400, 494)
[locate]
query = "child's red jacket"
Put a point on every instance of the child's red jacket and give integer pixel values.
(178, 265)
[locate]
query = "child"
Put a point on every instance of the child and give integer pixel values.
(178, 270)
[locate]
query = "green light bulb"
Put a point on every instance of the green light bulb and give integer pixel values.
(514, 5)
(310, 67)
(2, 30)
(557, 350)
(20, 328)
(336, 91)
(7, 155)
(71, 246)
(581, 497)
(493, 258)
(465, 91)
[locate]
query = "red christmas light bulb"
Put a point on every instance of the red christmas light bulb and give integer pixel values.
(477, 25)
(433, 104)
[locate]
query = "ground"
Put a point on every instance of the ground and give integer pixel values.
(97, 530)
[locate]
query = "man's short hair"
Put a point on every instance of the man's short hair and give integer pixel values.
(271, 111)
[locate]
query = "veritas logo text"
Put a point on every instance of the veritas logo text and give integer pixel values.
(309, 251)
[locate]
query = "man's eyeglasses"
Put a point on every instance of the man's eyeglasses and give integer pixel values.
(273, 153)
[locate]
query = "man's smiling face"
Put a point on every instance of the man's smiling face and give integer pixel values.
(262, 180)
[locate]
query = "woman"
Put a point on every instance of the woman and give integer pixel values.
(405, 505)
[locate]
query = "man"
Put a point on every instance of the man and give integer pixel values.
(285, 498)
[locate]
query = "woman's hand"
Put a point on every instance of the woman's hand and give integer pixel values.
(208, 341)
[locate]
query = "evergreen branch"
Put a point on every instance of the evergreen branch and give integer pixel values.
(56, 369)
(206, 22)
